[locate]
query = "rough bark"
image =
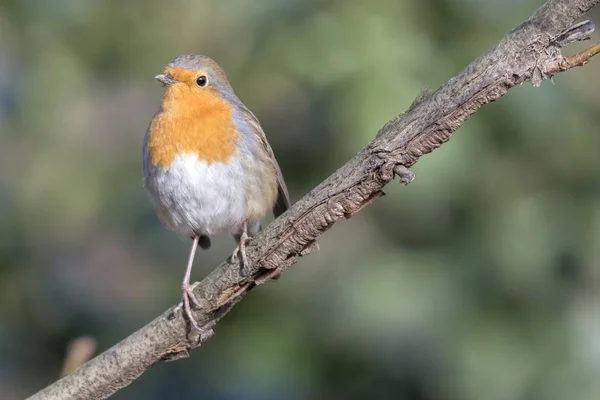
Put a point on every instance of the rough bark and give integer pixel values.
(530, 52)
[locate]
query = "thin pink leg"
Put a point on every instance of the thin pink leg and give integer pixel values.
(187, 290)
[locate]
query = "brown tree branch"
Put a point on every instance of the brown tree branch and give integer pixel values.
(529, 52)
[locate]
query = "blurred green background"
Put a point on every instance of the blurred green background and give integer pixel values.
(478, 281)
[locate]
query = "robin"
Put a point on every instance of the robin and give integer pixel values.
(207, 164)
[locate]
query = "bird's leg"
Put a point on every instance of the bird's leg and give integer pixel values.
(242, 239)
(188, 300)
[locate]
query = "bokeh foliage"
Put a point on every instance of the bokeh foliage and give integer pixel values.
(478, 281)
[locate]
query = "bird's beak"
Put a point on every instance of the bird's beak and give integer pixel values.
(165, 79)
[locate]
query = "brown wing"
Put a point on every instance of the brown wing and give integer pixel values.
(283, 197)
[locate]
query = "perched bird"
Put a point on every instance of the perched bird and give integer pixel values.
(208, 167)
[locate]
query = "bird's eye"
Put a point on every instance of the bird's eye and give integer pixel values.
(201, 81)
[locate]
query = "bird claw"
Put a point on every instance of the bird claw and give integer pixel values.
(188, 301)
(240, 252)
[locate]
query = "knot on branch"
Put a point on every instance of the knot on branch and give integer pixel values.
(394, 167)
(556, 62)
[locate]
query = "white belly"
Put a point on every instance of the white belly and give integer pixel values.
(194, 197)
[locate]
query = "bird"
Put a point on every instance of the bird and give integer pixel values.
(208, 167)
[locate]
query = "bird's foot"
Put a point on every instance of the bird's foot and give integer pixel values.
(240, 251)
(188, 301)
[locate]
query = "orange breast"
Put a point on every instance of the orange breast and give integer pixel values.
(191, 120)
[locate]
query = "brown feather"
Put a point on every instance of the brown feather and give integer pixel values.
(283, 202)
